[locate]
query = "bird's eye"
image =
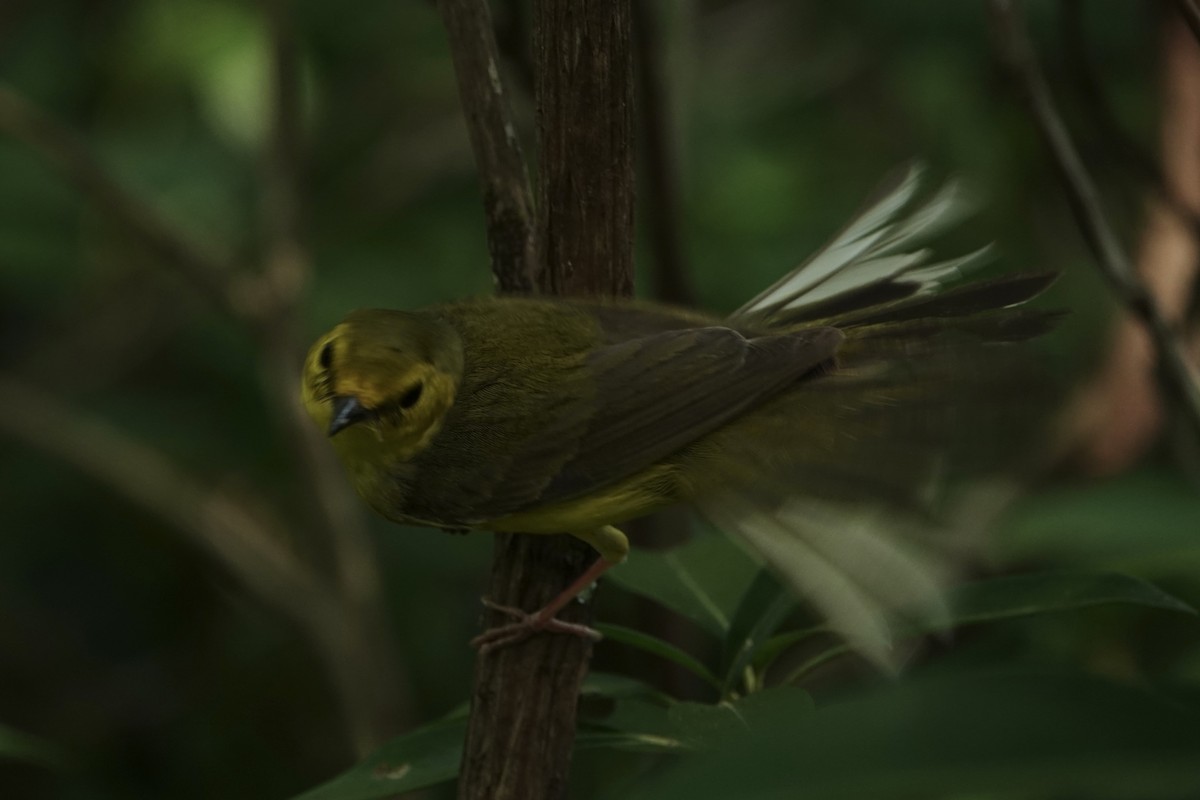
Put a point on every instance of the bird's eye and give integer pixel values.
(411, 397)
(325, 359)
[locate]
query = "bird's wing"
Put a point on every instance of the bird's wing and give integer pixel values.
(869, 572)
(658, 393)
(635, 402)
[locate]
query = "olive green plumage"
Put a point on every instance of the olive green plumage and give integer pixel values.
(552, 415)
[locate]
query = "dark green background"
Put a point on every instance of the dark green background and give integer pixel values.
(148, 669)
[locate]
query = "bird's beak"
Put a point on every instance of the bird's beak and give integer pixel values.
(346, 411)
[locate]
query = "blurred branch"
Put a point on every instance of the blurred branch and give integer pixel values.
(288, 267)
(266, 305)
(1120, 412)
(62, 148)
(1092, 93)
(672, 278)
(243, 540)
(283, 193)
(1017, 52)
(106, 332)
(1190, 11)
(507, 197)
(370, 672)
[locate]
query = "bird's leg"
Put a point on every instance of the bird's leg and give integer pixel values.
(613, 547)
(543, 619)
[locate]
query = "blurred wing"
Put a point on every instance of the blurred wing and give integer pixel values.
(656, 394)
(837, 491)
(857, 567)
(555, 430)
(928, 395)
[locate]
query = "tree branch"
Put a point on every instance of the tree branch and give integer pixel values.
(585, 101)
(288, 266)
(507, 198)
(369, 670)
(1018, 53)
(522, 723)
(243, 540)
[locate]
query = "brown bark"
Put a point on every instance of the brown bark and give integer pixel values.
(522, 724)
(584, 96)
(503, 175)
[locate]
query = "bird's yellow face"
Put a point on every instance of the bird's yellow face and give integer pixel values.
(380, 384)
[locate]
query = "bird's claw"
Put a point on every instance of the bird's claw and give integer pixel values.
(526, 625)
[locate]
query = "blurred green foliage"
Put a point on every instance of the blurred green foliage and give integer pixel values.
(131, 665)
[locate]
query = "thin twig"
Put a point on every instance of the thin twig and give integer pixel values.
(288, 268)
(345, 624)
(368, 686)
(671, 276)
(215, 278)
(1018, 53)
(507, 197)
(1105, 121)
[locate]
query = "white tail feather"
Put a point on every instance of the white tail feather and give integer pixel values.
(876, 247)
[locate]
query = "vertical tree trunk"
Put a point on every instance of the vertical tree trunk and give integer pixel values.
(522, 725)
(584, 77)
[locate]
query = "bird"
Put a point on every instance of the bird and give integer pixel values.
(860, 380)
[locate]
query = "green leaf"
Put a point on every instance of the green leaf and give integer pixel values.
(1008, 597)
(776, 646)
(431, 755)
(703, 580)
(615, 686)
(763, 607)
(1042, 593)
(425, 757)
(646, 724)
(19, 746)
(702, 726)
(636, 722)
(644, 718)
(1010, 735)
(1145, 520)
(660, 648)
(221, 49)
(629, 741)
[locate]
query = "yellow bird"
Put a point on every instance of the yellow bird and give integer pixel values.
(855, 377)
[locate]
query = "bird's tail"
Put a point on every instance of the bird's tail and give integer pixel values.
(928, 391)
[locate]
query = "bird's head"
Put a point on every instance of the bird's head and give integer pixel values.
(381, 382)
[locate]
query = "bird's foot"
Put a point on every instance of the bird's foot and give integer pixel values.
(526, 625)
